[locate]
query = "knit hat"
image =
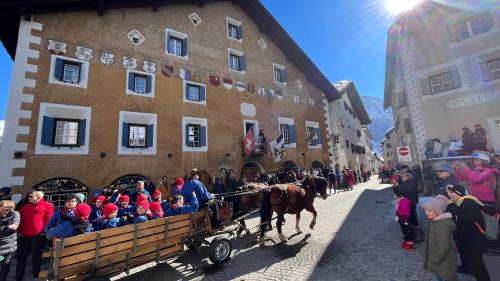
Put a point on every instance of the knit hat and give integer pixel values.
(124, 198)
(157, 193)
(82, 211)
(144, 204)
(80, 197)
(444, 168)
(483, 155)
(436, 205)
(179, 181)
(101, 198)
(142, 197)
(155, 207)
(455, 188)
(6, 190)
(108, 209)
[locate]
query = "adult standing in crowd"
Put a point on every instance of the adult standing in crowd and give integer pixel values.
(468, 141)
(410, 191)
(139, 189)
(149, 185)
(445, 176)
(9, 222)
(164, 187)
(35, 215)
(479, 138)
(471, 240)
(5, 193)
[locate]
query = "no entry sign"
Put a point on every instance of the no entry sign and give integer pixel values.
(404, 154)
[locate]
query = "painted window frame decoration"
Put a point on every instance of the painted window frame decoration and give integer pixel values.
(494, 73)
(470, 27)
(282, 79)
(49, 116)
(65, 135)
(132, 137)
(149, 80)
(238, 36)
(128, 119)
(430, 84)
(202, 94)
(57, 74)
(317, 131)
(291, 141)
(241, 61)
(176, 35)
(202, 124)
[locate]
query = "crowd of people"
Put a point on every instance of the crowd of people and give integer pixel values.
(460, 218)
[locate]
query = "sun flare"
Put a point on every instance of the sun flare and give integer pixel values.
(398, 6)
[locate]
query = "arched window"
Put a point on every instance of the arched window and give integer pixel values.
(128, 181)
(56, 189)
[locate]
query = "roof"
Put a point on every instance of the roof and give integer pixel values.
(349, 87)
(12, 10)
(388, 132)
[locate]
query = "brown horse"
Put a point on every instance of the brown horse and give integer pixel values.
(291, 198)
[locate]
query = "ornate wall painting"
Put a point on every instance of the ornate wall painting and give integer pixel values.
(57, 47)
(227, 83)
(240, 86)
(129, 63)
(83, 53)
(107, 58)
(136, 37)
(214, 80)
(149, 67)
(167, 70)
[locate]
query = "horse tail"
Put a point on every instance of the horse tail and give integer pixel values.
(265, 210)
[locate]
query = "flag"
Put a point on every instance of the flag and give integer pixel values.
(249, 143)
(278, 148)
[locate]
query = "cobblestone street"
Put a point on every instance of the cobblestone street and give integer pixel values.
(355, 239)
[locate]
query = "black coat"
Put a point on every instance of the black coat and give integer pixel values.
(410, 191)
(8, 237)
(469, 238)
(442, 183)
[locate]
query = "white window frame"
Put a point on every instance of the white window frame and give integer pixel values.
(179, 35)
(496, 71)
(84, 72)
(255, 127)
(65, 133)
(148, 95)
(137, 118)
(235, 23)
(236, 53)
(315, 125)
(204, 102)
(141, 126)
(198, 121)
(63, 111)
(289, 122)
(281, 68)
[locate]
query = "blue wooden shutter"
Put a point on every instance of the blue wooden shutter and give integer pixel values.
(58, 73)
(203, 93)
(292, 135)
(169, 49)
(317, 131)
(186, 135)
(131, 81)
(455, 78)
(243, 65)
(184, 49)
(149, 81)
(283, 75)
(187, 74)
(240, 31)
(203, 136)
(125, 134)
(47, 130)
(186, 90)
(149, 135)
(82, 126)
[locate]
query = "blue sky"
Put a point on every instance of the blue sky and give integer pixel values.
(345, 39)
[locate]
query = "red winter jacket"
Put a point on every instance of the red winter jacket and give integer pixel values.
(34, 218)
(350, 178)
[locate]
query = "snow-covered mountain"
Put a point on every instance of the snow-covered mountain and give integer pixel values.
(381, 120)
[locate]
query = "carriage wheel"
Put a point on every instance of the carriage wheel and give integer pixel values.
(220, 250)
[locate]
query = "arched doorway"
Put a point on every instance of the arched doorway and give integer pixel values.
(56, 189)
(127, 182)
(251, 171)
(289, 165)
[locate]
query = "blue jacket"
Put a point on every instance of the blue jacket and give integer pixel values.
(139, 219)
(95, 214)
(59, 217)
(201, 191)
(107, 223)
(63, 229)
(191, 208)
(128, 210)
(134, 194)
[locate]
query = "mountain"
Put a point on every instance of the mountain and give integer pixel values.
(381, 120)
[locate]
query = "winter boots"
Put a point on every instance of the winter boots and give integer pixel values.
(418, 234)
(408, 245)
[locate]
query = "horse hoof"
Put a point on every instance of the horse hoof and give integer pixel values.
(311, 226)
(247, 232)
(262, 241)
(283, 238)
(299, 231)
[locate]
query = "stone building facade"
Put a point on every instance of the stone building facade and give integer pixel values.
(155, 92)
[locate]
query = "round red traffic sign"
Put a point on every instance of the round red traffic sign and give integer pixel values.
(403, 151)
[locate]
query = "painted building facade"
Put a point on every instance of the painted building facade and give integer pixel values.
(443, 74)
(157, 91)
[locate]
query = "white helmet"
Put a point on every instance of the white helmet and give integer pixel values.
(483, 155)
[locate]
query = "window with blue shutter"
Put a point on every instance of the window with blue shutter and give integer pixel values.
(283, 75)
(293, 137)
(125, 134)
(184, 48)
(47, 130)
(58, 73)
(194, 92)
(203, 93)
(82, 128)
(131, 81)
(148, 83)
(240, 32)
(243, 64)
(317, 131)
(186, 135)
(149, 135)
(203, 136)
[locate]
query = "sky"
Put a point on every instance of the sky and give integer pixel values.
(346, 39)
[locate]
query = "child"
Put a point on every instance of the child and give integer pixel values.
(157, 198)
(125, 210)
(177, 207)
(108, 218)
(96, 212)
(403, 211)
(156, 210)
(82, 223)
(441, 259)
(55, 227)
(142, 213)
(177, 188)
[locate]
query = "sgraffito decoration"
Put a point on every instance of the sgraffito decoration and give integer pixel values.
(251, 88)
(227, 83)
(136, 37)
(296, 99)
(279, 94)
(311, 102)
(129, 63)
(240, 86)
(262, 43)
(299, 84)
(56, 47)
(149, 67)
(270, 93)
(195, 18)
(167, 70)
(262, 91)
(83, 53)
(107, 58)
(214, 80)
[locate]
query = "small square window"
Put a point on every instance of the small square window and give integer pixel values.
(193, 92)
(279, 73)
(71, 73)
(175, 46)
(194, 135)
(137, 135)
(311, 135)
(139, 84)
(66, 132)
(234, 62)
(232, 31)
(285, 131)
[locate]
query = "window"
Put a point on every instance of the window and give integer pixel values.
(441, 83)
(194, 92)
(195, 134)
(407, 126)
(66, 132)
(285, 131)
(137, 135)
(140, 83)
(279, 74)
(236, 61)
(68, 71)
(402, 99)
(494, 69)
(470, 27)
(177, 44)
(388, 145)
(311, 136)
(71, 73)
(234, 29)
(286, 127)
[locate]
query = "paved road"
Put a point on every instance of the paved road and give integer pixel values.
(355, 239)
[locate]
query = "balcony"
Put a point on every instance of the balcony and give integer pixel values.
(260, 148)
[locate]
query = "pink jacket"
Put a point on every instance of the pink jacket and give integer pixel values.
(403, 209)
(481, 181)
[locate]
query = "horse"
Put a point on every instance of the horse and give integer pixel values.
(291, 198)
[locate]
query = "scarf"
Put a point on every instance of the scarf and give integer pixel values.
(461, 199)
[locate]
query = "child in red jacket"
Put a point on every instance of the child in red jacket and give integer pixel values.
(403, 211)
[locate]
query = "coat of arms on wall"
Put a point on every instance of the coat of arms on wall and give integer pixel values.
(251, 88)
(136, 37)
(311, 102)
(184, 74)
(296, 99)
(270, 93)
(299, 84)
(214, 80)
(149, 66)
(129, 63)
(227, 83)
(261, 91)
(198, 76)
(167, 70)
(56, 47)
(279, 94)
(262, 44)
(107, 58)
(195, 18)
(83, 53)
(240, 86)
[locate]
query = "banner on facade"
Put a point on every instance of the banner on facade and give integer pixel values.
(249, 143)
(278, 148)
(404, 154)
